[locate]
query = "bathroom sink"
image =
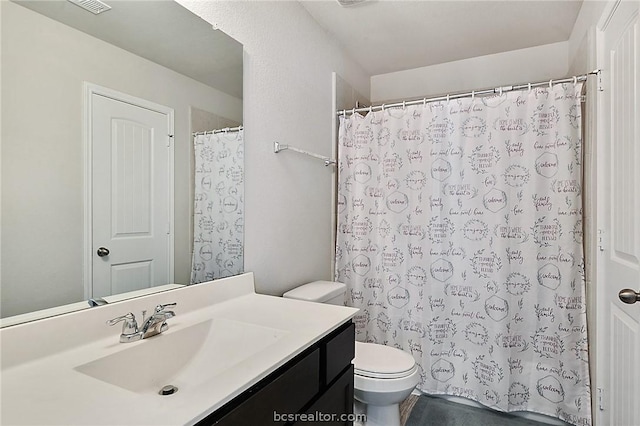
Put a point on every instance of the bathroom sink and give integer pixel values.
(182, 358)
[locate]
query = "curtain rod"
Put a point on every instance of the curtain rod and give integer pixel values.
(471, 94)
(279, 147)
(225, 130)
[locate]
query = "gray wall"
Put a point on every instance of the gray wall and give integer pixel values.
(288, 68)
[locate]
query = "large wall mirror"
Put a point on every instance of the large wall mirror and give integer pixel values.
(55, 56)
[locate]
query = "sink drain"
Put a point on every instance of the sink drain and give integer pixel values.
(168, 390)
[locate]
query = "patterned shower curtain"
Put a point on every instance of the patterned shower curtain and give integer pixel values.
(460, 238)
(218, 225)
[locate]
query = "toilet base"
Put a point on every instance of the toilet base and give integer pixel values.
(383, 415)
(359, 410)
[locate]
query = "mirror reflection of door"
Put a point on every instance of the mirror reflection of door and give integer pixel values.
(131, 195)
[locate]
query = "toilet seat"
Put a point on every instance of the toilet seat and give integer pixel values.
(382, 362)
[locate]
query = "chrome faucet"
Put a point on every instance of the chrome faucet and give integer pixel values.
(157, 322)
(129, 327)
(154, 324)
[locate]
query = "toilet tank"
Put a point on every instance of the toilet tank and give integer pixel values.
(329, 292)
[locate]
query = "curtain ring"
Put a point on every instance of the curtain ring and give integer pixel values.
(353, 111)
(473, 95)
(529, 86)
(550, 83)
(448, 98)
(344, 113)
(424, 102)
(370, 109)
(382, 107)
(500, 92)
(404, 105)
(575, 80)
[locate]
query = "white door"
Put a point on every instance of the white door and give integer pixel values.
(131, 196)
(618, 333)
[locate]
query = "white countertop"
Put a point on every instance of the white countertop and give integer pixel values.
(42, 387)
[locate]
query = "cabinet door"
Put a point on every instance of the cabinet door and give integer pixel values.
(287, 394)
(335, 406)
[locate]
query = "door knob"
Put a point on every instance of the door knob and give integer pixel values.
(629, 296)
(103, 251)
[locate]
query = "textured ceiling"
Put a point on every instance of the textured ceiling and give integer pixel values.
(393, 35)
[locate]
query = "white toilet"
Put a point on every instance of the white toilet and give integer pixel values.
(384, 376)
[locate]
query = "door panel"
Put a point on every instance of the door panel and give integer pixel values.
(131, 276)
(624, 331)
(130, 196)
(618, 333)
(131, 167)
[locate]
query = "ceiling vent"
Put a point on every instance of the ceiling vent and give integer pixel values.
(93, 6)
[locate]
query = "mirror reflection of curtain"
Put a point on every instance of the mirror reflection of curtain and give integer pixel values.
(218, 225)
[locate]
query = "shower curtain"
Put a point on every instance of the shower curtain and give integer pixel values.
(460, 238)
(218, 217)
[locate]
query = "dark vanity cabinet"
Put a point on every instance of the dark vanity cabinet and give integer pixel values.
(315, 386)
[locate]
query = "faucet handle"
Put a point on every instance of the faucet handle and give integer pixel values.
(161, 308)
(130, 325)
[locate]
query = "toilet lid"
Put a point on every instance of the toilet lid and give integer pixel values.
(317, 291)
(380, 361)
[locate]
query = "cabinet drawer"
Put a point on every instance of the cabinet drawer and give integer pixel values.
(288, 393)
(340, 351)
